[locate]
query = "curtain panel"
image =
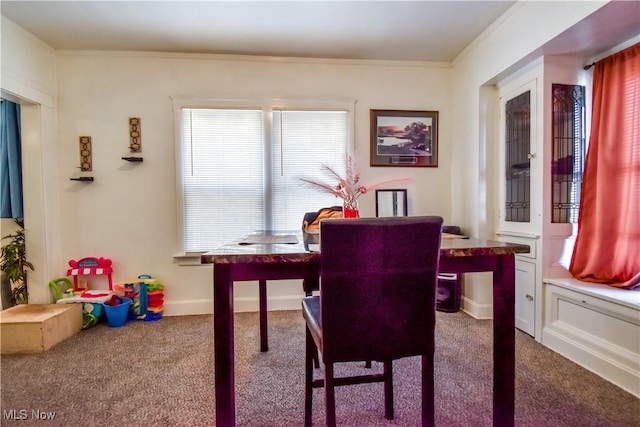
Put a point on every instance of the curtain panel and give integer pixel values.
(607, 248)
(10, 161)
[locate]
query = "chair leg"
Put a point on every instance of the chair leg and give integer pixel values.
(308, 285)
(330, 395)
(388, 389)
(428, 393)
(311, 353)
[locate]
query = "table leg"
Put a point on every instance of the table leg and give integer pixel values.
(264, 341)
(223, 349)
(504, 341)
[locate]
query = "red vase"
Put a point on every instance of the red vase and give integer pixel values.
(350, 211)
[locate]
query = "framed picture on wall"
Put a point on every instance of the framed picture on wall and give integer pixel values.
(404, 138)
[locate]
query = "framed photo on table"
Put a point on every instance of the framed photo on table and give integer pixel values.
(404, 138)
(391, 202)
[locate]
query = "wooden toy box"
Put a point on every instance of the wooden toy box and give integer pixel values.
(35, 328)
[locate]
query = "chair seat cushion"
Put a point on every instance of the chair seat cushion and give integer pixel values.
(311, 313)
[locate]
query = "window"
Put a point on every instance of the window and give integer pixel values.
(568, 142)
(518, 158)
(240, 168)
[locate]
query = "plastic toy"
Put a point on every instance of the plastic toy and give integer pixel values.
(89, 266)
(147, 297)
(91, 300)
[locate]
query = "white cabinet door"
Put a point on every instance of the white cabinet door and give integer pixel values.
(519, 201)
(519, 191)
(525, 296)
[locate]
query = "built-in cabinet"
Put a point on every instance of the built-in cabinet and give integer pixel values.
(538, 175)
(527, 275)
(520, 188)
(525, 296)
(540, 156)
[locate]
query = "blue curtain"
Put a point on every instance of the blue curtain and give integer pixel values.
(10, 161)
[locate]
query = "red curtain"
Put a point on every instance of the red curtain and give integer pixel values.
(607, 248)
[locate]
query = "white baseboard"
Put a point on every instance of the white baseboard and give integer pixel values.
(188, 307)
(288, 302)
(607, 361)
(248, 304)
(251, 304)
(477, 311)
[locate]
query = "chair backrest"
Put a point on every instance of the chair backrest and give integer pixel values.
(378, 281)
(311, 220)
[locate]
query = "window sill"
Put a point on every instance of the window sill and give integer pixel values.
(188, 258)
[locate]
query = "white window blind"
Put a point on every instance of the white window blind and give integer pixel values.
(232, 186)
(222, 175)
(302, 142)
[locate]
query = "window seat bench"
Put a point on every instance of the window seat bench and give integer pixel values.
(596, 326)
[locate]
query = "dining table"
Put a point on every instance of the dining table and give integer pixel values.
(267, 255)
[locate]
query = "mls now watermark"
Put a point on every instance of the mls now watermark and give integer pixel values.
(25, 414)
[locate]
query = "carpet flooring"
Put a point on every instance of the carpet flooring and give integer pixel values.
(161, 374)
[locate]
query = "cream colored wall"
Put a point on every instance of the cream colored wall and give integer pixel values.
(29, 78)
(129, 212)
(28, 65)
(511, 43)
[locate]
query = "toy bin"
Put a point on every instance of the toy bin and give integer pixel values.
(117, 311)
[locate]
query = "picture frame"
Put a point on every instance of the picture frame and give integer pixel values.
(391, 202)
(406, 138)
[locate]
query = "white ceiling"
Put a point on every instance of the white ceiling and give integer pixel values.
(435, 31)
(414, 30)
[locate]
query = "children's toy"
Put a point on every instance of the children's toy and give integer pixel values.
(147, 297)
(89, 266)
(91, 300)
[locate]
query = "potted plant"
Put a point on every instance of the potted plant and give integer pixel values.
(14, 266)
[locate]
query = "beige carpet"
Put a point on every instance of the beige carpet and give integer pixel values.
(161, 374)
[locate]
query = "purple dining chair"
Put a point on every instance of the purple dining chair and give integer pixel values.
(377, 298)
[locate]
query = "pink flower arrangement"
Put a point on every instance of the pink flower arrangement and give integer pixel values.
(347, 188)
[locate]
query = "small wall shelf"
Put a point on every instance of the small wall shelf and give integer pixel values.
(83, 179)
(133, 159)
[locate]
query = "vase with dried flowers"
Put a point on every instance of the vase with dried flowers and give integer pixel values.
(347, 187)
